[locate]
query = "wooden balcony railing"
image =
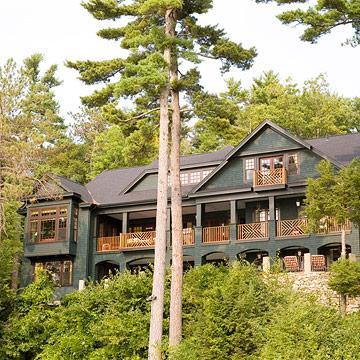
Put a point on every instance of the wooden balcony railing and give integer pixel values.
(188, 236)
(298, 227)
(270, 177)
(295, 227)
(331, 226)
(253, 231)
(126, 241)
(215, 234)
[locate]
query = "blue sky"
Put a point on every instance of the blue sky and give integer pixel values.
(62, 29)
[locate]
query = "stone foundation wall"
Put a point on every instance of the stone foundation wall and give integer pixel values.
(317, 283)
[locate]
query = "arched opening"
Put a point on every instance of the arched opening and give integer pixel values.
(216, 258)
(188, 263)
(253, 256)
(139, 265)
(106, 268)
(293, 257)
(332, 252)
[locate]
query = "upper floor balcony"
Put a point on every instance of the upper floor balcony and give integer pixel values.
(270, 177)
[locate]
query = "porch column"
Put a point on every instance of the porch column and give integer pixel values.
(198, 234)
(233, 220)
(125, 222)
(272, 228)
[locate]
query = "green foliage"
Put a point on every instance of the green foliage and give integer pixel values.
(25, 332)
(345, 277)
(230, 312)
(309, 111)
(323, 17)
(334, 195)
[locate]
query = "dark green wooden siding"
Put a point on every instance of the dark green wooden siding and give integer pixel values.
(268, 140)
(230, 176)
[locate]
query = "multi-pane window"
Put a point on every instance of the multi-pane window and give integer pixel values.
(191, 177)
(195, 177)
(76, 223)
(47, 225)
(293, 164)
(205, 173)
(59, 271)
(184, 178)
(249, 168)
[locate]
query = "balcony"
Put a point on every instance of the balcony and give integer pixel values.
(136, 240)
(299, 227)
(253, 231)
(270, 178)
(215, 234)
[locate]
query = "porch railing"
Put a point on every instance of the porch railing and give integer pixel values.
(298, 227)
(215, 234)
(125, 241)
(295, 227)
(253, 231)
(188, 236)
(331, 226)
(270, 177)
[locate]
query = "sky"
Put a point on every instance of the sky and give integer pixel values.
(63, 30)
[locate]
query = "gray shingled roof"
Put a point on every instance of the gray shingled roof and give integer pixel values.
(107, 188)
(342, 148)
(74, 187)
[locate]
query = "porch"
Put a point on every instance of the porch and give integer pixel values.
(236, 221)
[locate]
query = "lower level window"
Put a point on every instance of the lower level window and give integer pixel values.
(59, 271)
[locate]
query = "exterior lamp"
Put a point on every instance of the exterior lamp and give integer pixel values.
(298, 203)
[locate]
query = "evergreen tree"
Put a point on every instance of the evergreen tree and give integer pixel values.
(157, 36)
(307, 111)
(323, 17)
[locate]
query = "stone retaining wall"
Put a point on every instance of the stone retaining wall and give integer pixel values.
(317, 283)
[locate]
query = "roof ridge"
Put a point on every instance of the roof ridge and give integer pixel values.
(332, 136)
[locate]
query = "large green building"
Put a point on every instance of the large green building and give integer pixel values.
(242, 202)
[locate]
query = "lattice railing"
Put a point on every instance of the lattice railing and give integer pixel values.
(139, 239)
(253, 231)
(331, 226)
(270, 177)
(215, 234)
(295, 227)
(188, 236)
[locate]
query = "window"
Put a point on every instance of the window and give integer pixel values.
(249, 169)
(48, 225)
(262, 215)
(60, 272)
(206, 173)
(195, 177)
(293, 164)
(184, 178)
(76, 223)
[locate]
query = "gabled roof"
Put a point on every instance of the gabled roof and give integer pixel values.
(186, 162)
(73, 187)
(112, 186)
(250, 137)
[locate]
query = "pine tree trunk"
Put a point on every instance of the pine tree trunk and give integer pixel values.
(176, 208)
(343, 243)
(157, 298)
